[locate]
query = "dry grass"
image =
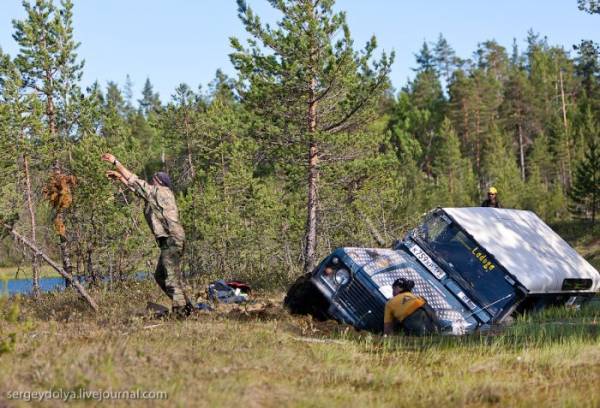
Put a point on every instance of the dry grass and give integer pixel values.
(24, 272)
(261, 356)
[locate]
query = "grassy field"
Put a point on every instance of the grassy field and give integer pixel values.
(261, 356)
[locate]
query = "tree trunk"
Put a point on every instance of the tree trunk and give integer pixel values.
(594, 205)
(89, 265)
(521, 152)
(311, 220)
(189, 149)
(566, 126)
(478, 148)
(313, 178)
(34, 259)
(50, 112)
(65, 254)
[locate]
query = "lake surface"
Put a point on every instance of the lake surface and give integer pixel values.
(24, 285)
(46, 284)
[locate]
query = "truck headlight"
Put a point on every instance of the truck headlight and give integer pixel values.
(341, 276)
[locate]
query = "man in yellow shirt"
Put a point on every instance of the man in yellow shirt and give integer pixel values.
(408, 311)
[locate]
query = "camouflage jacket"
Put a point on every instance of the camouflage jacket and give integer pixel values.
(161, 209)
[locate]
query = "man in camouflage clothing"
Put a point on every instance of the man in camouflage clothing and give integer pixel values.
(163, 218)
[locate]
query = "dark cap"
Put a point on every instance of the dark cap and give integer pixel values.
(403, 284)
(164, 179)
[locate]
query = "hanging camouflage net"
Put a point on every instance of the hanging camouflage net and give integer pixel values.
(58, 193)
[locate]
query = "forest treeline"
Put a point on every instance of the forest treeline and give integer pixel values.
(306, 148)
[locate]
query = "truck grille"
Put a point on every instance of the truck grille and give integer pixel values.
(367, 308)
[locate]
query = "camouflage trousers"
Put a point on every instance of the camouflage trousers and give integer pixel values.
(168, 271)
(420, 323)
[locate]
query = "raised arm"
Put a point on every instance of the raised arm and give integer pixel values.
(123, 171)
(140, 187)
(115, 175)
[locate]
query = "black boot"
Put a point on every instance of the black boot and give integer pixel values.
(183, 311)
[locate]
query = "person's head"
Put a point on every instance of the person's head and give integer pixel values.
(402, 285)
(492, 193)
(162, 179)
(332, 266)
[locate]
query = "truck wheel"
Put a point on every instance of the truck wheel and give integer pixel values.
(304, 298)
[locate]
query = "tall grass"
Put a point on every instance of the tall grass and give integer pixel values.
(260, 356)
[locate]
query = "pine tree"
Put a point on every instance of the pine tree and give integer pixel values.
(426, 61)
(474, 102)
(587, 71)
(553, 84)
(181, 125)
(128, 94)
(150, 101)
(453, 173)
(517, 114)
(47, 61)
(308, 83)
(590, 6)
(585, 191)
(19, 124)
(416, 118)
(541, 159)
(114, 99)
(500, 169)
(445, 58)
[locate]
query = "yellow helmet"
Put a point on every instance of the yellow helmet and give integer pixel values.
(492, 190)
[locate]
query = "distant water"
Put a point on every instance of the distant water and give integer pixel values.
(24, 285)
(46, 284)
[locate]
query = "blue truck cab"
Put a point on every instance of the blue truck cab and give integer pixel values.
(474, 266)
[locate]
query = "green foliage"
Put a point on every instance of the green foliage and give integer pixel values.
(524, 122)
(150, 101)
(47, 61)
(456, 185)
(585, 192)
(417, 118)
(590, 6)
(105, 218)
(501, 171)
(306, 83)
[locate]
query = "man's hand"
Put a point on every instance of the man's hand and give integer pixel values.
(108, 157)
(114, 175)
(121, 172)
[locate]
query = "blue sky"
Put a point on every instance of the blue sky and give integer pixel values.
(175, 41)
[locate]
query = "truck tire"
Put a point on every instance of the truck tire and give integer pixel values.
(304, 298)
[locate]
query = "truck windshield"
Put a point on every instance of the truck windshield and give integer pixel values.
(484, 278)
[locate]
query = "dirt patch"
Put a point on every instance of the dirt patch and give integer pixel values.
(262, 310)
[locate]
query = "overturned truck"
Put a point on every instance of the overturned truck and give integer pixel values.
(476, 267)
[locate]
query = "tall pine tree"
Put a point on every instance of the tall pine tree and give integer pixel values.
(585, 191)
(307, 82)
